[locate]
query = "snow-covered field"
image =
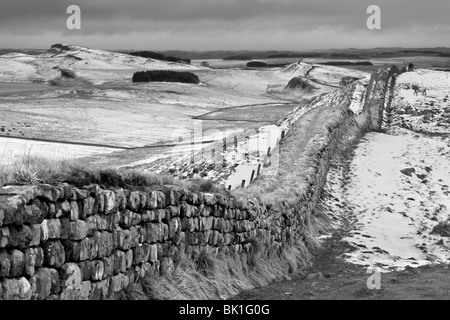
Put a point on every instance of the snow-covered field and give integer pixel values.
(396, 190)
(105, 107)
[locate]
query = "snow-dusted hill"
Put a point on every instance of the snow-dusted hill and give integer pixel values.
(92, 64)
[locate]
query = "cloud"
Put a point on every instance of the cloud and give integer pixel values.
(203, 19)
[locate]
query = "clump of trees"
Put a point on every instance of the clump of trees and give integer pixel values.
(159, 56)
(165, 76)
(257, 64)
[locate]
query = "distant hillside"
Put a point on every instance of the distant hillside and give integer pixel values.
(239, 57)
(346, 63)
(294, 55)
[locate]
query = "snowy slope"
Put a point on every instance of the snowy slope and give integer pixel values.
(395, 190)
(92, 64)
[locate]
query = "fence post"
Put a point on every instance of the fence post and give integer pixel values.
(253, 175)
(224, 151)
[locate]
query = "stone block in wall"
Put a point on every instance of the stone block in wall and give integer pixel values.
(56, 287)
(160, 215)
(192, 198)
(92, 190)
(17, 259)
(85, 290)
(91, 225)
(33, 259)
(152, 200)
(242, 203)
(108, 263)
(218, 211)
(62, 209)
(209, 199)
(86, 268)
(135, 219)
(123, 239)
(185, 210)
(78, 194)
(145, 216)
(71, 276)
(49, 192)
(53, 228)
(143, 196)
(34, 215)
(162, 199)
(121, 199)
(129, 258)
(165, 232)
(54, 254)
(12, 206)
(64, 235)
(16, 289)
(105, 244)
(101, 222)
(164, 249)
(174, 227)
(136, 236)
(153, 253)
(141, 253)
(88, 207)
(120, 261)
(74, 211)
(134, 201)
(179, 238)
(167, 266)
(203, 211)
(100, 289)
(221, 200)
(110, 201)
(154, 232)
(19, 236)
(119, 282)
(191, 239)
(5, 263)
(174, 211)
(100, 202)
(125, 219)
(41, 284)
(77, 251)
(98, 269)
(65, 191)
(78, 230)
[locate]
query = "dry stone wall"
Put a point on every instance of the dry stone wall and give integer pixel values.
(64, 242)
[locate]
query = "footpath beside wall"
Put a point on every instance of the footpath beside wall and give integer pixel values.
(64, 242)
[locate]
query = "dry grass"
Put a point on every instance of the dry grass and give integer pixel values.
(222, 276)
(33, 170)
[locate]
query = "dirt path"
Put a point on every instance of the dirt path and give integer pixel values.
(330, 278)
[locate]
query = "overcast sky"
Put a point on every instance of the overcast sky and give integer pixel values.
(225, 24)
